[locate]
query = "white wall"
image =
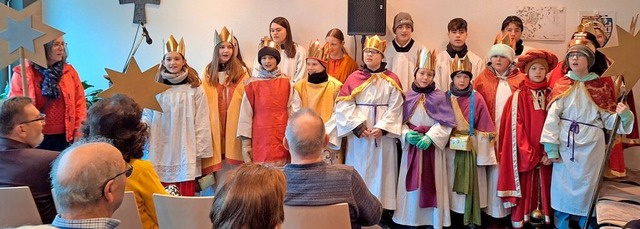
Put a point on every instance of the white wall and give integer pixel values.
(100, 32)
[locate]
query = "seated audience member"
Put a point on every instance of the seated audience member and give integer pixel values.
(119, 119)
(21, 164)
(89, 179)
(250, 198)
(311, 182)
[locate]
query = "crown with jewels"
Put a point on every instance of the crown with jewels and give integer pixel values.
(173, 46)
(223, 36)
(426, 59)
(375, 43)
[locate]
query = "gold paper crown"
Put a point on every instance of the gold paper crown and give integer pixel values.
(426, 59)
(267, 42)
(318, 52)
(504, 39)
(375, 43)
(581, 39)
(173, 46)
(224, 35)
(590, 27)
(461, 64)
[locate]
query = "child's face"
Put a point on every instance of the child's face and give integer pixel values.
(458, 37)
(173, 62)
(578, 62)
(278, 33)
(335, 45)
(537, 73)
(424, 77)
(372, 58)
(514, 31)
(500, 63)
(461, 81)
(600, 37)
(225, 52)
(403, 33)
(314, 66)
(268, 62)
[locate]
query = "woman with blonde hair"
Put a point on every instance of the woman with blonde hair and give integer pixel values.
(180, 135)
(340, 65)
(252, 198)
(224, 79)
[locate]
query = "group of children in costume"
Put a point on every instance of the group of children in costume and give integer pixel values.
(474, 137)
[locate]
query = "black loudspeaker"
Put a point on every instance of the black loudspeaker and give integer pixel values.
(367, 17)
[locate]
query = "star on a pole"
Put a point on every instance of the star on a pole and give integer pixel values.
(140, 86)
(625, 57)
(20, 34)
(29, 18)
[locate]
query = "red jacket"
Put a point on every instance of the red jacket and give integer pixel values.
(72, 91)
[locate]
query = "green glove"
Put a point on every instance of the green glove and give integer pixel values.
(626, 116)
(552, 150)
(413, 137)
(424, 143)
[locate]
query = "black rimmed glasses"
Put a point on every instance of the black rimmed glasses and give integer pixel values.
(127, 173)
(40, 118)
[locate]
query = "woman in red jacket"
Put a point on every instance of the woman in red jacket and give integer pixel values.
(57, 92)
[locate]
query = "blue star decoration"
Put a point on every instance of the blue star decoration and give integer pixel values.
(20, 34)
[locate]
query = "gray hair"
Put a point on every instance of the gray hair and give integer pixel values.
(82, 188)
(308, 139)
(11, 111)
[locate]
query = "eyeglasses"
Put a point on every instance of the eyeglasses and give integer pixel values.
(371, 51)
(59, 44)
(41, 117)
(576, 54)
(127, 173)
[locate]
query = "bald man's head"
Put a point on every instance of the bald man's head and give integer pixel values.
(81, 174)
(305, 134)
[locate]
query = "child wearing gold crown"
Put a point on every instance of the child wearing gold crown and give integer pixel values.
(368, 113)
(496, 83)
(268, 101)
(524, 169)
(423, 189)
(223, 84)
(319, 90)
(470, 146)
(580, 107)
(181, 135)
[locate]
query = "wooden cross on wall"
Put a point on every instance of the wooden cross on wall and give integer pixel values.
(139, 15)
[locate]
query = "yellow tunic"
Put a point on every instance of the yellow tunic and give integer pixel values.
(232, 146)
(319, 97)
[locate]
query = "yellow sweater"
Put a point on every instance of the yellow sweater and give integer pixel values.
(144, 182)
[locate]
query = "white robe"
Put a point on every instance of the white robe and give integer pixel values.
(443, 68)
(181, 135)
(377, 165)
(408, 211)
(402, 63)
(573, 182)
(295, 68)
(495, 208)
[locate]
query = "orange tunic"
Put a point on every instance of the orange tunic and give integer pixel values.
(487, 84)
(342, 68)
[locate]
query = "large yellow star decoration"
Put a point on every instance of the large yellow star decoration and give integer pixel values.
(140, 86)
(625, 57)
(24, 31)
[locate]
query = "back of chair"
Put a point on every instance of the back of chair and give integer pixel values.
(18, 207)
(128, 213)
(316, 217)
(183, 211)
